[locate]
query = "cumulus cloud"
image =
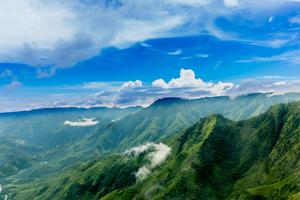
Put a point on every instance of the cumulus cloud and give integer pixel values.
(110, 94)
(187, 79)
(132, 84)
(156, 155)
(83, 122)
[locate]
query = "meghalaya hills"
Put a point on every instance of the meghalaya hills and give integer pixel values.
(212, 148)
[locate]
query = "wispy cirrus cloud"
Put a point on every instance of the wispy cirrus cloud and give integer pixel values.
(12, 86)
(295, 19)
(175, 53)
(292, 56)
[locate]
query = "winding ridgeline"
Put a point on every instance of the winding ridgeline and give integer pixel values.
(178, 149)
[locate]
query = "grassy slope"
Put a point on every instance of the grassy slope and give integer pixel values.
(215, 159)
(221, 159)
(168, 116)
(35, 144)
(61, 146)
(90, 181)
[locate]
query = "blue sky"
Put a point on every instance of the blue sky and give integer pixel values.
(131, 52)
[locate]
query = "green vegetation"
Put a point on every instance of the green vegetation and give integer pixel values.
(36, 144)
(216, 158)
(166, 117)
(90, 181)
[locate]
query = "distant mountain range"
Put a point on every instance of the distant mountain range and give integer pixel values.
(212, 156)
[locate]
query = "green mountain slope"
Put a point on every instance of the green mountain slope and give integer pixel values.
(221, 159)
(39, 141)
(45, 127)
(57, 147)
(171, 115)
(216, 158)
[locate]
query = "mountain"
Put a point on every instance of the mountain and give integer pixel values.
(216, 158)
(46, 128)
(171, 115)
(39, 144)
(33, 139)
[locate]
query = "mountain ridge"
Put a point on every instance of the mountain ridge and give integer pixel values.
(216, 158)
(136, 106)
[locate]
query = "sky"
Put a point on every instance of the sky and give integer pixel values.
(88, 53)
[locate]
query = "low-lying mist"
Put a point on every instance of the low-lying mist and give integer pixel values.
(156, 154)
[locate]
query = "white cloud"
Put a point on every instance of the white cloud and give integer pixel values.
(175, 53)
(159, 83)
(157, 154)
(83, 122)
(160, 154)
(292, 56)
(200, 55)
(295, 20)
(139, 149)
(144, 44)
(187, 79)
(61, 33)
(12, 86)
(58, 34)
(101, 85)
(132, 84)
(231, 3)
(272, 84)
(111, 94)
(142, 173)
(279, 83)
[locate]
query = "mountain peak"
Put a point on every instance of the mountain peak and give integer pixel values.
(167, 101)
